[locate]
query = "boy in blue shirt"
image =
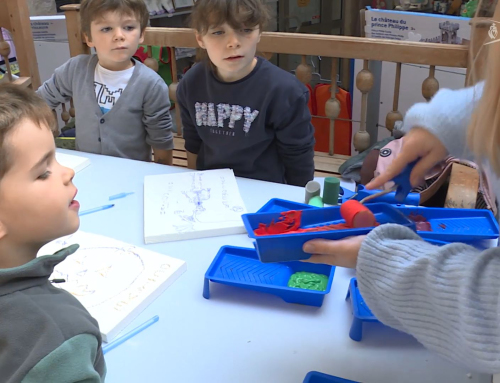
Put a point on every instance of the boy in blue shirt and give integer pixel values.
(122, 106)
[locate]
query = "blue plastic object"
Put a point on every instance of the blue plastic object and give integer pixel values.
(480, 245)
(319, 377)
(279, 205)
(436, 242)
(456, 225)
(411, 199)
(402, 182)
(240, 267)
(288, 247)
(360, 311)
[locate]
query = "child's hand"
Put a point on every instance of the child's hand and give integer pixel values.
(418, 143)
(343, 253)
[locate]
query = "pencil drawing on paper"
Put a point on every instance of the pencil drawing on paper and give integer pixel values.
(99, 274)
(96, 279)
(201, 200)
(112, 279)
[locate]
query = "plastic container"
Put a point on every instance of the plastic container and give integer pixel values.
(278, 205)
(480, 245)
(411, 199)
(455, 225)
(240, 267)
(319, 377)
(360, 311)
(288, 247)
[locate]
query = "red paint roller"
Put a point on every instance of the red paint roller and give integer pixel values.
(357, 215)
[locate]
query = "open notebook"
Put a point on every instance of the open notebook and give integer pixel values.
(113, 280)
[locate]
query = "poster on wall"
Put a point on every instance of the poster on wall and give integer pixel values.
(412, 26)
(12, 58)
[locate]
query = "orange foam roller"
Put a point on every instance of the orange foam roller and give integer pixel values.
(357, 215)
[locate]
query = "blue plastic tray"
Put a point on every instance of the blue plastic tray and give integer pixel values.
(319, 377)
(360, 311)
(480, 245)
(278, 205)
(288, 247)
(456, 225)
(240, 267)
(411, 199)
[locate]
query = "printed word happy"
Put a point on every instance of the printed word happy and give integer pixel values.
(209, 114)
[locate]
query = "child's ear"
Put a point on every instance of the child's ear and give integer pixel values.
(88, 41)
(199, 40)
(141, 39)
(260, 34)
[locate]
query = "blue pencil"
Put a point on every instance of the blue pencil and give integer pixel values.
(129, 335)
(93, 210)
(120, 195)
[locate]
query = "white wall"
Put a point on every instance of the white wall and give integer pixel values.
(51, 48)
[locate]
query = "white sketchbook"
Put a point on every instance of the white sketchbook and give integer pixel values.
(76, 163)
(113, 280)
(192, 205)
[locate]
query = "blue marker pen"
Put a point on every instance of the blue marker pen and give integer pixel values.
(95, 209)
(120, 195)
(130, 334)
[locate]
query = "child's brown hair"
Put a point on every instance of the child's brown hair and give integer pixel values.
(91, 10)
(239, 14)
(18, 104)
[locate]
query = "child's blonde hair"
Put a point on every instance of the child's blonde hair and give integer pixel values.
(483, 134)
(91, 10)
(18, 104)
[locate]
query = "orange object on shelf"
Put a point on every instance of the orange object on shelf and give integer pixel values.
(343, 129)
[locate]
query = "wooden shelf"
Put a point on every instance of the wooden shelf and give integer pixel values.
(22, 82)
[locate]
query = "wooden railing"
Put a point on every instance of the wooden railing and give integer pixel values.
(14, 17)
(335, 47)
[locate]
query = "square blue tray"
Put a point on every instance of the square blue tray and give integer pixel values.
(319, 377)
(360, 311)
(288, 247)
(240, 267)
(456, 225)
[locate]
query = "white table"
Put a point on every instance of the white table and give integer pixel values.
(240, 336)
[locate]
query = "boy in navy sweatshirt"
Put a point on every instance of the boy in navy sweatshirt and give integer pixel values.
(239, 111)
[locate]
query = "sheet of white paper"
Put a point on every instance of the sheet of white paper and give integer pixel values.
(113, 280)
(192, 205)
(76, 163)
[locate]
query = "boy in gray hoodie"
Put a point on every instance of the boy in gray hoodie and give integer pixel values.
(46, 335)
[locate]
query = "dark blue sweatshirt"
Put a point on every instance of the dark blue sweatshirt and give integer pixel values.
(259, 126)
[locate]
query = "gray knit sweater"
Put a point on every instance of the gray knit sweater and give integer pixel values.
(447, 297)
(139, 120)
